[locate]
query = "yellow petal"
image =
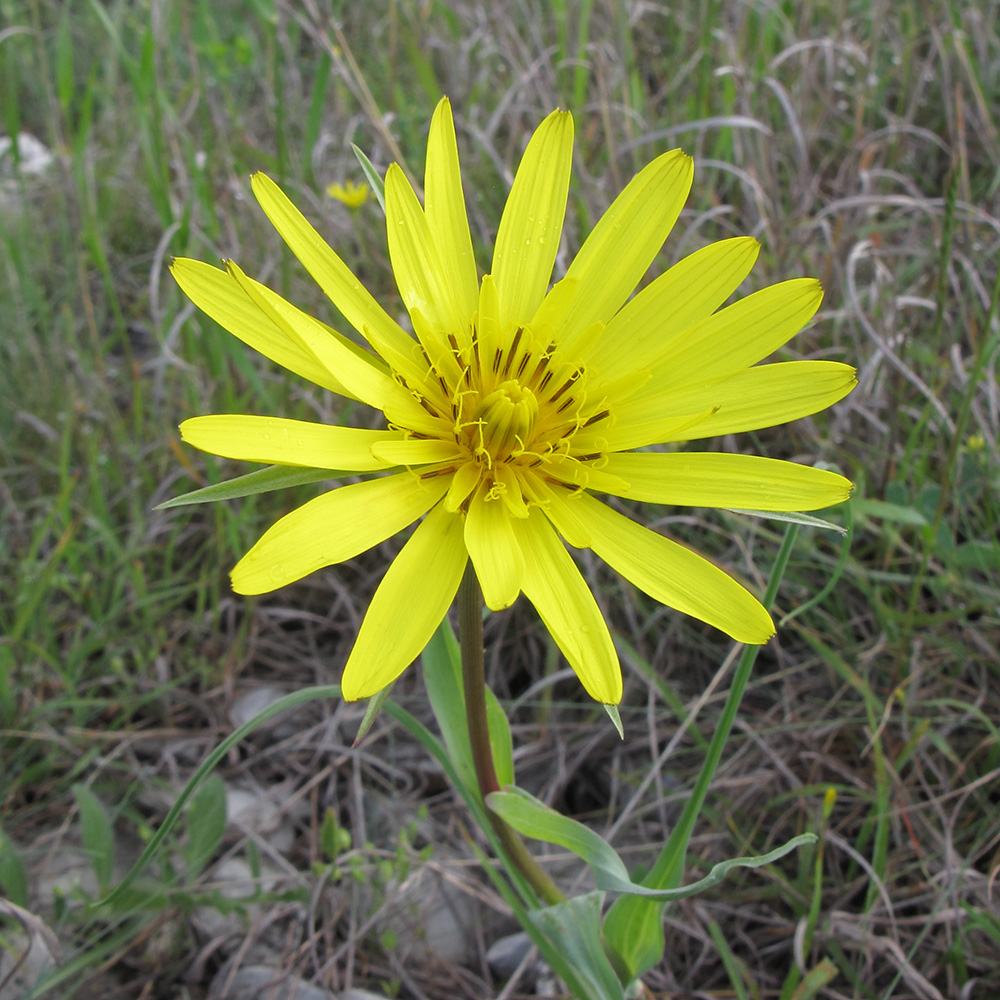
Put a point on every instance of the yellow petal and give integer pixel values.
(422, 279)
(495, 552)
(281, 441)
(328, 271)
(739, 335)
(335, 526)
(444, 205)
(659, 315)
(465, 480)
(370, 384)
(567, 608)
(531, 224)
(625, 240)
(488, 326)
(217, 294)
(565, 520)
(712, 479)
(587, 477)
(763, 396)
(414, 451)
(672, 574)
(408, 606)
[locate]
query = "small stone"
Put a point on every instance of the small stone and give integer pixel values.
(34, 156)
(35, 958)
(249, 704)
(507, 953)
(259, 982)
(234, 880)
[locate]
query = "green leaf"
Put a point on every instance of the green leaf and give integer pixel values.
(371, 175)
(815, 979)
(533, 818)
(372, 709)
(442, 669)
(317, 106)
(885, 511)
(205, 769)
(984, 556)
(793, 518)
(501, 742)
(333, 838)
(633, 928)
(13, 881)
(206, 823)
(98, 839)
(64, 60)
(274, 477)
(616, 720)
(575, 928)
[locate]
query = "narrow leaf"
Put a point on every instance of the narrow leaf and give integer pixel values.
(575, 928)
(791, 517)
(64, 60)
(501, 743)
(615, 716)
(98, 839)
(885, 511)
(205, 768)
(274, 477)
(533, 818)
(372, 709)
(206, 823)
(442, 669)
(13, 880)
(371, 175)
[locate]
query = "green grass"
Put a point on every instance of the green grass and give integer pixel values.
(857, 146)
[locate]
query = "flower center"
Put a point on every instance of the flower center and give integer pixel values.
(512, 409)
(504, 422)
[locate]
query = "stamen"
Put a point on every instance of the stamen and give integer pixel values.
(451, 470)
(514, 344)
(596, 417)
(576, 374)
(427, 406)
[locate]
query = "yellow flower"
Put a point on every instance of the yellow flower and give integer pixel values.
(513, 403)
(350, 194)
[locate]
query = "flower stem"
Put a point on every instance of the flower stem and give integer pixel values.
(470, 634)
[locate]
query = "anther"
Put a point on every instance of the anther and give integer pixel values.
(596, 417)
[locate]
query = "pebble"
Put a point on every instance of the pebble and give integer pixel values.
(506, 954)
(260, 982)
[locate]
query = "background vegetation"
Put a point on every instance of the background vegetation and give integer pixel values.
(858, 142)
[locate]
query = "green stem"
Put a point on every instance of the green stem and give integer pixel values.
(470, 635)
(675, 852)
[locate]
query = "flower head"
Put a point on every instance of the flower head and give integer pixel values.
(513, 403)
(350, 194)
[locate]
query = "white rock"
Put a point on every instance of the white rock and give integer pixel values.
(252, 702)
(37, 960)
(234, 880)
(430, 914)
(507, 953)
(260, 982)
(35, 156)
